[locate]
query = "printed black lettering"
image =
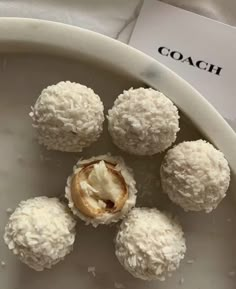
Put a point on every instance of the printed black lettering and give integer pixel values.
(215, 69)
(188, 60)
(164, 51)
(201, 64)
(176, 55)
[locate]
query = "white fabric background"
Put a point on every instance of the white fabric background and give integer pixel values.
(114, 18)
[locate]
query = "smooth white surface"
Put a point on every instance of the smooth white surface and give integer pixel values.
(202, 39)
(27, 170)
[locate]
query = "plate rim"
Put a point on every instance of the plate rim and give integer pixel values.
(36, 35)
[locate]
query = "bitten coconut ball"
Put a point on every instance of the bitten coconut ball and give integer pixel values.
(68, 117)
(150, 244)
(40, 232)
(101, 190)
(195, 175)
(143, 121)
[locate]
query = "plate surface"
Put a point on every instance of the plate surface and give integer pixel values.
(34, 54)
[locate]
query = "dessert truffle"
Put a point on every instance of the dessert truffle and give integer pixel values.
(143, 121)
(68, 117)
(101, 190)
(195, 175)
(150, 244)
(41, 232)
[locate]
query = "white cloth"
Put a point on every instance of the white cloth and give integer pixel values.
(114, 18)
(104, 16)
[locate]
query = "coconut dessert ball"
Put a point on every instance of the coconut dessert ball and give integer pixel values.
(40, 232)
(195, 175)
(101, 190)
(143, 121)
(150, 244)
(68, 117)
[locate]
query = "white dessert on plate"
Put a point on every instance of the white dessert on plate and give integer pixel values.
(150, 244)
(40, 232)
(68, 117)
(195, 175)
(143, 121)
(101, 189)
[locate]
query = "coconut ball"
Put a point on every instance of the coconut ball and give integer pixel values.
(68, 117)
(40, 232)
(150, 244)
(195, 175)
(101, 189)
(143, 121)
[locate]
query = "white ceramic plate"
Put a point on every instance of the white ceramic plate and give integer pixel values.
(34, 54)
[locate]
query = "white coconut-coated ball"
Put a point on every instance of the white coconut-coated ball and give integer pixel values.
(150, 244)
(143, 121)
(40, 232)
(195, 175)
(68, 117)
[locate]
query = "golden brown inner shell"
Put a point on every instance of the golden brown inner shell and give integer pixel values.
(89, 204)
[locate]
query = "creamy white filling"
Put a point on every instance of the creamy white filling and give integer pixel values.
(101, 186)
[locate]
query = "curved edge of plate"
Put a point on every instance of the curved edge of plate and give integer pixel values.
(21, 34)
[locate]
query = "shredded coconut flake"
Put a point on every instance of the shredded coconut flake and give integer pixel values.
(118, 285)
(181, 281)
(92, 270)
(9, 210)
(190, 261)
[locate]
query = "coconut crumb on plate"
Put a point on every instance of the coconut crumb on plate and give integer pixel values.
(9, 210)
(191, 261)
(118, 285)
(181, 281)
(92, 270)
